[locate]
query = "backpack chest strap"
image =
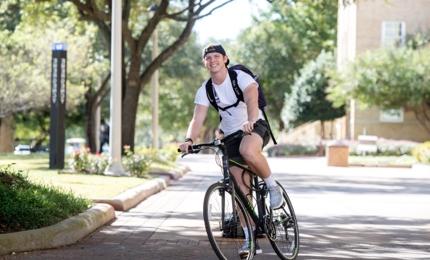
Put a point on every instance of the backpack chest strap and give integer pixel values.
(211, 94)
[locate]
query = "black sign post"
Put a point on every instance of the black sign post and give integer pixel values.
(58, 106)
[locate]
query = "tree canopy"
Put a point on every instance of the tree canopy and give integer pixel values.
(25, 60)
(26, 41)
(286, 37)
(307, 101)
(140, 19)
(388, 78)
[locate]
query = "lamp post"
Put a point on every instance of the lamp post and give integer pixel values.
(115, 165)
(58, 105)
(154, 85)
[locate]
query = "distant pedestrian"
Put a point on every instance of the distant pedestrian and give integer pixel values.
(104, 135)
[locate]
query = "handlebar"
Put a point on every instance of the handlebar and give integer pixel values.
(217, 143)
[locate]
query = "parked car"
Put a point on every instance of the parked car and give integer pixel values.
(75, 144)
(22, 149)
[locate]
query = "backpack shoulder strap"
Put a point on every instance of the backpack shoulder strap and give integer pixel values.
(237, 91)
(268, 124)
(210, 93)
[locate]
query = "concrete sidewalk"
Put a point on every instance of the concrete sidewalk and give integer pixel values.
(166, 224)
(343, 213)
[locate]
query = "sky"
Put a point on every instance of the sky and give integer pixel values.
(228, 21)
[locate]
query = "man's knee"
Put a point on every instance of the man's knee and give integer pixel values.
(249, 153)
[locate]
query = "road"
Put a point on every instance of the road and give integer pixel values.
(343, 213)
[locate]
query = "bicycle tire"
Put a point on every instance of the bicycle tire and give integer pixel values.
(224, 248)
(284, 232)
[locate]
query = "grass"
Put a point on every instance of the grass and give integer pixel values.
(36, 167)
(389, 161)
(25, 205)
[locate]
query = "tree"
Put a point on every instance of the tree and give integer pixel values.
(25, 65)
(278, 45)
(307, 101)
(138, 26)
(388, 78)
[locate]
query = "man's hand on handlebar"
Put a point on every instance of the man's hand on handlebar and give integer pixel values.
(185, 146)
(219, 134)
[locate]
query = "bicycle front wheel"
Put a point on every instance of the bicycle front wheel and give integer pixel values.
(283, 230)
(223, 227)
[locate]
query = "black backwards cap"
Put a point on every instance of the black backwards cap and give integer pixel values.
(215, 48)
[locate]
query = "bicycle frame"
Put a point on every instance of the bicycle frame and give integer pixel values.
(231, 184)
(257, 218)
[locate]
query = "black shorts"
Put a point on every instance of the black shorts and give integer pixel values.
(261, 128)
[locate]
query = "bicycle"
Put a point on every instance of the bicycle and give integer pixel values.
(225, 204)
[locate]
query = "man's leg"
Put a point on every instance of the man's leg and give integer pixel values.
(244, 183)
(250, 149)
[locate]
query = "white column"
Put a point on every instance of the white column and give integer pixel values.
(154, 93)
(115, 165)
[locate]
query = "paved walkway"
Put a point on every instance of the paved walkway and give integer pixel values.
(343, 213)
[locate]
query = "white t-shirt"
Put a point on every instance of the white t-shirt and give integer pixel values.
(234, 117)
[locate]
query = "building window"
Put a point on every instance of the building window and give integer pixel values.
(393, 33)
(391, 115)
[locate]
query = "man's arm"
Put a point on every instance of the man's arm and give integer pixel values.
(195, 125)
(250, 96)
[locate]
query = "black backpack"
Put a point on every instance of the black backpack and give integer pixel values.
(239, 94)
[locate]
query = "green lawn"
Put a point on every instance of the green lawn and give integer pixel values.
(87, 186)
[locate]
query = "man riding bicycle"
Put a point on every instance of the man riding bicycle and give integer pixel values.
(244, 116)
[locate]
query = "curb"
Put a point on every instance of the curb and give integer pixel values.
(130, 198)
(134, 196)
(66, 232)
(379, 165)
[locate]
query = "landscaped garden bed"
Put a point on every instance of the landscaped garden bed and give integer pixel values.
(25, 205)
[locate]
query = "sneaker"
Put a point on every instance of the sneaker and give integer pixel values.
(276, 198)
(258, 249)
(244, 250)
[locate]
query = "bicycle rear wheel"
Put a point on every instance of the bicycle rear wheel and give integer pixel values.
(283, 230)
(224, 230)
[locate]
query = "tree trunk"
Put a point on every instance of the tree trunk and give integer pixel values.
(422, 114)
(89, 116)
(321, 145)
(7, 125)
(129, 111)
(92, 114)
(36, 143)
(93, 125)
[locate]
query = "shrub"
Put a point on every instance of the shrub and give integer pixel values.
(422, 152)
(137, 163)
(292, 149)
(85, 162)
(387, 147)
(24, 205)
